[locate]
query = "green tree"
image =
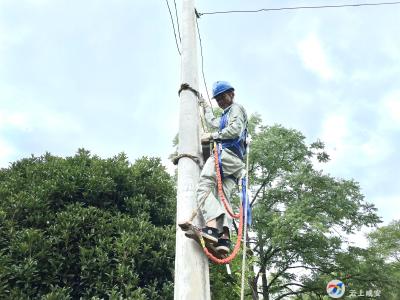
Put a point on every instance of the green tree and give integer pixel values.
(385, 250)
(86, 227)
(386, 241)
(374, 270)
(300, 217)
(300, 213)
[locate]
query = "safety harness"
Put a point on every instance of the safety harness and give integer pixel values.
(237, 145)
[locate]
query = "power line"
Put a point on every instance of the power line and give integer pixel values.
(202, 58)
(297, 7)
(177, 22)
(173, 26)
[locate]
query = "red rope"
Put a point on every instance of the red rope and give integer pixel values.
(235, 251)
(219, 184)
(229, 210)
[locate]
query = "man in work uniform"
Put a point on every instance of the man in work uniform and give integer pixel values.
(230, 131)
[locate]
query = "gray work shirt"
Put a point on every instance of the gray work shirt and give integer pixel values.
(237, 122)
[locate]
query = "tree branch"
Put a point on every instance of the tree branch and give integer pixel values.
(296, 292)
(281, 271)
(258, 191)
(277, 276)
(270, 254)
(293, 283)
(288, 294)
(266, 180)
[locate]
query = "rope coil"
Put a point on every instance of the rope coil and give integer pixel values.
(235, 251)
(239, 216)
(196, 159)
(186, 86)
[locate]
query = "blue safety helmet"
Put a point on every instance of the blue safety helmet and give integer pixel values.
(221, 87)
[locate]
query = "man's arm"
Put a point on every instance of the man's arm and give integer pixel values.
(237, 122)
(212, 121)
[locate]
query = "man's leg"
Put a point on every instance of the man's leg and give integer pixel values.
(213, 211)
(224, 222)
(232, 167)
(208, 200)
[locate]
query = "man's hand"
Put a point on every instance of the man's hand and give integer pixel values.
(248, 139)
(206, 137)
(202, 102)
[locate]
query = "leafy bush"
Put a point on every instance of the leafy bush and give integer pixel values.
(86, 227)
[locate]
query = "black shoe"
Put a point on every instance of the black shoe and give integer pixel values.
(210, 234)
(224, 246)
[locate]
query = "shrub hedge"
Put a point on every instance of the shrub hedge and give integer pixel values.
(83, 227)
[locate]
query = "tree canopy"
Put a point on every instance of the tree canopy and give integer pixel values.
(86, 227)
(301, 216)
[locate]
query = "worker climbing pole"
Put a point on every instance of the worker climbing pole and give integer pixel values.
(210, 191)
(219, 176)
(222, 171)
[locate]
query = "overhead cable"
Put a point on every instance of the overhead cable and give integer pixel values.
(298, 7)
(173, 27)
(202, 59)
(177, 22)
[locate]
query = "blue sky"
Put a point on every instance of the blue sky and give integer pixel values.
(104, 75)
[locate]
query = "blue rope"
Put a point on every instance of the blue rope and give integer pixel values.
(245, 202)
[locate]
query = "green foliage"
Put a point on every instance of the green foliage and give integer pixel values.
(228, 286)
(385, 251)
(300, 216)
(371, 269)
(386, 241)
(86, 227)
(298, 213)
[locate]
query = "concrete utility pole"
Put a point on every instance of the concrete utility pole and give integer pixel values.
(191, 265)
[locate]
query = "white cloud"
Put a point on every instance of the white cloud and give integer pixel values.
(22, 2)
(340, 134)
(39, 118)
(39, 121)
(334, 133)
(314, 58)
(54, 121)
(12, 36)
(389, 207)
(18, 120)
(391, 47)
(39, 2)
(6, 151)
(390, 109)
(375, 150)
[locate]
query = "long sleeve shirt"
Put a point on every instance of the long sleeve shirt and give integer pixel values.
(237, 122)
